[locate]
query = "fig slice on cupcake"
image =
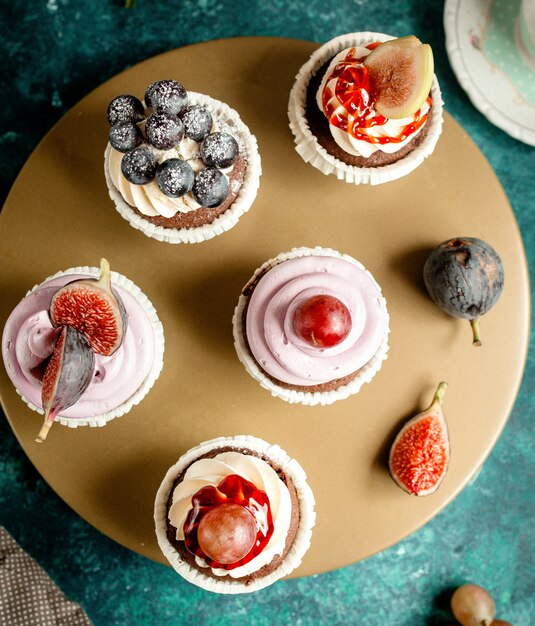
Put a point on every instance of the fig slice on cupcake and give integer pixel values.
(367, 107)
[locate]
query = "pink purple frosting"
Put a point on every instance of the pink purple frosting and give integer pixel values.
(29, 338)
(269, 324)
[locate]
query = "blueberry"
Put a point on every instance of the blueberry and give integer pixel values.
(210, 187)
(124, 136)
(166, 95)
(197, 122)
(164, 130)
(125, 109)
(139, 165)
(219, 150)
(174, 177)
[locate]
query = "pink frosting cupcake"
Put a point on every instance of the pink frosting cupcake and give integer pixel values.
(293, 361)
(118, 381)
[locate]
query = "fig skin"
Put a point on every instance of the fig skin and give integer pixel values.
(67, 375)
(464, 277)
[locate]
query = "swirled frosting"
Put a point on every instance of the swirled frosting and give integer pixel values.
(206, 472)
(344, 96)
(269, 322)
(148, 198)
(29, 338)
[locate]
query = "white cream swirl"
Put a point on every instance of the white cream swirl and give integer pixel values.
(392, 128)
(206, 472)
(148, 198)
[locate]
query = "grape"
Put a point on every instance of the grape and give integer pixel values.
(124, 136)
(166, 95)
(164, 130)
(210, 187)
(174, 177)
(322, 321)
(125, 109)
(227, 533)
(139, 165)
(197, 122)
(473, 606)
(219, 150)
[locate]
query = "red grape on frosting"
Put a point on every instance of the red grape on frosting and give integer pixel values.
(322, 320)
(283, 351)
(227, 533)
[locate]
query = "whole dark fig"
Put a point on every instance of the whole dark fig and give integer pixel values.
(464, 277)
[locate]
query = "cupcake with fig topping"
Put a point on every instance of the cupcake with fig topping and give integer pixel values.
(181, 167)
(234, 514)
(367, 107)
(83, 347)
(311, 326)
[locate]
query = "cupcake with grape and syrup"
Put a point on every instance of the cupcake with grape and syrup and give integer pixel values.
(367, 107)
(311, 326)
(234, 514)
(181, 167)
(83, 347)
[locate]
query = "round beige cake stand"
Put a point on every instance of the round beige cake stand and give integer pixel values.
(58, 215)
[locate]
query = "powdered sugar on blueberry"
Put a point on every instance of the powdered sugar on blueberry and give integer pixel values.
(190, 154)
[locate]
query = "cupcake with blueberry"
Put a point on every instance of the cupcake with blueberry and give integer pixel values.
(311, 326)
(367, 107)
(181, 167)
(234, 514)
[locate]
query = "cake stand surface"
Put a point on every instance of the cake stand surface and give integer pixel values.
(58, 215)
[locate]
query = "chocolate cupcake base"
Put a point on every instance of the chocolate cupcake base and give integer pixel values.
(313, 139)
(203, 224)
(299, 534)
(324, 393)
(180, 546)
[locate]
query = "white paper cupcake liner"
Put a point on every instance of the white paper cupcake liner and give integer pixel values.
(157, 364)
(312, 152)
(366, 373)
(228, 219)
(306, 521)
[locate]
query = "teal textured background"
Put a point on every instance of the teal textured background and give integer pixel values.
(54, 53)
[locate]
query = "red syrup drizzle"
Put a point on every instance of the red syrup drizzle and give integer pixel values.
(353, 91)
(232, 489)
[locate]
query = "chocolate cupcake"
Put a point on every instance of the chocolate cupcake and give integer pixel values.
(311, 326)
(94, 381)
(338, 107)
(234, 514)
(182, 167)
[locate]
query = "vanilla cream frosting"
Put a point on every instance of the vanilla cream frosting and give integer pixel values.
(269, 323)
(148, 198)
(29, 338)
(211, 471)
(390, 128)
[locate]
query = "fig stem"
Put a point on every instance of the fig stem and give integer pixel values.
(475, 330)
(105, 274)
(44, 431)
(439, 394)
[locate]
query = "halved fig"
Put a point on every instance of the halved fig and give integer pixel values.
(401, 74)
(67, 375)
(94, 308)
(420, 453)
